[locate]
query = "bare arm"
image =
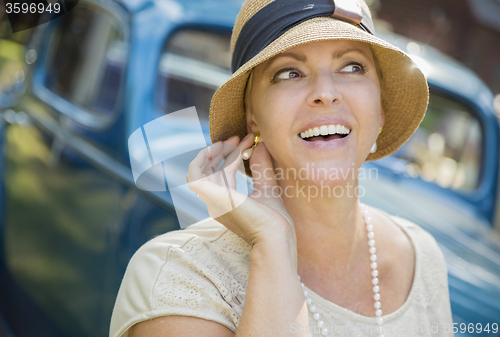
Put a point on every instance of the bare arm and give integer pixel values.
(179, 326)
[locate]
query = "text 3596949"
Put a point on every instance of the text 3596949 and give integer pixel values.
(24, 7)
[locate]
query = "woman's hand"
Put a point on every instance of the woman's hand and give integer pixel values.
(254, 218)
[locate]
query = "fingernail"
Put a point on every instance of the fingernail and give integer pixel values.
(233, 137)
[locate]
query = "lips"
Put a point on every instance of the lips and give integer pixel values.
(324, 138)
(325, 142)
(323, 133)
(326, 132)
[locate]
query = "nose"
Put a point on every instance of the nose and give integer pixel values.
(324, 90)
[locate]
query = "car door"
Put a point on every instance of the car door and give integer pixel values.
(65, 219)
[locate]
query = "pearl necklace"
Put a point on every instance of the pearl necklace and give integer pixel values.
(376, 288)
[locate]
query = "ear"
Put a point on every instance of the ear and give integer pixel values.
(251, 125)
(249, 115)
(382, 117)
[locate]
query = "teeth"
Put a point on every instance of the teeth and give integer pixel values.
(325, 130)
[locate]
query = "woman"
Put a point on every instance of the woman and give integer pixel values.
(316, 95)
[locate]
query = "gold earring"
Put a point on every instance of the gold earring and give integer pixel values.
(248, 152)
(379, 130)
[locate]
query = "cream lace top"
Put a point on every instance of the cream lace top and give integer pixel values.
(202, 271)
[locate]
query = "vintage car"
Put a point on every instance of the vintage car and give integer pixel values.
(72, 215)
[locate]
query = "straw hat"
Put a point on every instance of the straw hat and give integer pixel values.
(405, 91)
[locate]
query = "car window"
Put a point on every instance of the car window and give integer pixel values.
(446, 148)
(86, 59)
(192, 66)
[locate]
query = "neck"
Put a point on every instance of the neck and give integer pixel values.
(331, 234)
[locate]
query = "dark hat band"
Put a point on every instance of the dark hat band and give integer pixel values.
(279, 16)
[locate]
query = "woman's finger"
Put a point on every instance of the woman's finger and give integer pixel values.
(228, 170)
(200, 168)
(234, 161)
(195, 168)
(221, 149)
(207, 160)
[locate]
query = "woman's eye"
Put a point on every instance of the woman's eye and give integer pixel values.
(286, 74)
(353, 68)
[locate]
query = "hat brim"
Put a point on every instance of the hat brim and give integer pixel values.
(405, 88)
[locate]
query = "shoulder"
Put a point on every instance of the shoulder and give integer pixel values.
(406, 233)
(430, 270)
(426, 246)
(429, 295)
(192, 272)
(198, 242)
(431, 265)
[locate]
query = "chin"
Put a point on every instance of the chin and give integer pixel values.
(329, 173)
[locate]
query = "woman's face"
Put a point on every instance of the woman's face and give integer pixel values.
(314, 84)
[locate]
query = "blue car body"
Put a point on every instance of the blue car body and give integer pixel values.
(72, 216)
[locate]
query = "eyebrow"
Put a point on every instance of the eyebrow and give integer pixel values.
(303, 58)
